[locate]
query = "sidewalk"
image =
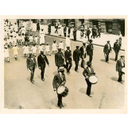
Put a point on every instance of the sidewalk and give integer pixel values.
(97, 41)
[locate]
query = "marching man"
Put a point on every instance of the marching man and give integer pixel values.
(59, 80)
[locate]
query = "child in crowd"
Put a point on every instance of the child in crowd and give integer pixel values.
(34, 49)
(61, 45)
(6, 54)
(54, 47)
(15, 51)
(47, 49)
(25, 50)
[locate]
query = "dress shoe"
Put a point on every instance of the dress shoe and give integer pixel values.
(43, 79)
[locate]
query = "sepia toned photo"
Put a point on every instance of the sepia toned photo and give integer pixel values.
(63, 64)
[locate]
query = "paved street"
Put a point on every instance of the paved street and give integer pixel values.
(106, 94)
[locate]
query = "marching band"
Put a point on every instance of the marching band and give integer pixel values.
(63, 58)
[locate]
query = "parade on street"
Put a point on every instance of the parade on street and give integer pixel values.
(64, 64)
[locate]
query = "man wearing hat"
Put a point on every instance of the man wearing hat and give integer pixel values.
(119, 65)
(68, 59)
(42, 60)
(107, 49)
(31, 65)
(76, 57)
(59, 80)
(83, 54)
(88, 33)
(89, 50)
(49, 28)
(116, 48)
(88, 71)
(74, 33)
(65, 30)
(59, 58)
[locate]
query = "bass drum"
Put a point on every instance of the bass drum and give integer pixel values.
(63, 90)
(93, 79)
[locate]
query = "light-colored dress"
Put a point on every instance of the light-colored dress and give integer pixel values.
(42, 37)
(26, 50)
(67, 43)
(15, 50)
(34, 49)
(47, 48)
(61, 45)
(54, 47)
(6, 53)
(31, 38)
(40, 48)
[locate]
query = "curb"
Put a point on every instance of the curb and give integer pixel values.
(79, 41)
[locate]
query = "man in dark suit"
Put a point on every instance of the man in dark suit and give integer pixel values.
(31, 65)
(42, 60)
(107, 49)
(88, 71)
(49, 28)
(38, 26)
(65, 30)
(59, 80)
(74, 33)
(68, 59)
(119, 65)
(69, 30)
(59, 58)
(83, 54)
(89, 50)
(116, 48)
(88, 33)
(76, 57)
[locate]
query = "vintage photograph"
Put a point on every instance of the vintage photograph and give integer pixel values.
(64, 62)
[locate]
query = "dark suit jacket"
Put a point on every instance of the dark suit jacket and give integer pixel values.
(76, 55)
(119, 66)
(68, 55)
(87, 72)
(31, 63)
(42, 61)
(83, 54)
(89, 49)
(69, 30)
(59, 59)
(116, 47)
(106, 50)
(57, 80)
(65, 29)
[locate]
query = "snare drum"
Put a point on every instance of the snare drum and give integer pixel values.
(63, 90)
(123, 70)
(93, 79)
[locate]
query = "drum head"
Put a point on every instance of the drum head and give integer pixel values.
(93, 79)
(60, 89)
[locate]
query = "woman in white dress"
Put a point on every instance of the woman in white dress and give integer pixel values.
(15, 51)
(34, 49)
(25, 50)
(54, 47)
(67, 42)
(42, 36)
(47, 49)
(61, 45)
(59, 30)
(6, 54)
(40, 48)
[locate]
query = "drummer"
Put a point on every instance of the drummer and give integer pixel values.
(88, 71)
(119, 65)
(59, 80)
